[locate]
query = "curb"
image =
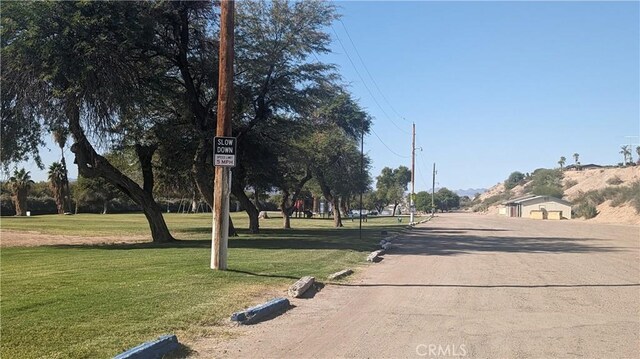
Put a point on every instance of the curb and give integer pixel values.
(255, 314)
(151, 350)
(302, 285)
(341, 274)
(374, 255)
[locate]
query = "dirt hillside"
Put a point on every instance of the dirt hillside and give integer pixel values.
(575, 183)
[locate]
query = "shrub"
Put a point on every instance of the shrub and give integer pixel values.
(615, 180)
(496, 198)
(586, 211)
(514, 179)
(570, 183)
(548, 190)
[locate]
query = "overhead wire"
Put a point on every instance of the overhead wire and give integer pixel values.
(385, 145)
(369, 73)
(364, 83)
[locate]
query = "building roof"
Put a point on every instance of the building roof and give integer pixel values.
(529, 198)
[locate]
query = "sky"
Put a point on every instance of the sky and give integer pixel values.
(492, 87)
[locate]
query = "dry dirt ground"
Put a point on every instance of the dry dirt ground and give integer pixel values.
(469, 286)
(34, 239)
(587, 180)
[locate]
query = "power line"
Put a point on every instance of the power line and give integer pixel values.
(364, 83)
(369, 73)
(385, 145)
(424, 182)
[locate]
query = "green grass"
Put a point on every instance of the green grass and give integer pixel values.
(96, 301)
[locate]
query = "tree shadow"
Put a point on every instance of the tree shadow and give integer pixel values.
(452, 242)
(269, 238)
(263, 275)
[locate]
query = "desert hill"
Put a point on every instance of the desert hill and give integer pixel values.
(613, 192)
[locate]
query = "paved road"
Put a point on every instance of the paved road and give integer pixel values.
(475, 287)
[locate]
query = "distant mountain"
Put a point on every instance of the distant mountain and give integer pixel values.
(470, 192)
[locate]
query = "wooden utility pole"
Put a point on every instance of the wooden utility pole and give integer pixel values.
(433, 192)
(221, 183)
(412, 204)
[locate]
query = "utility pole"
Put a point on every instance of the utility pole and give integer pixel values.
(221, 183)
(412, 205)
(361, 173)
(433, 192)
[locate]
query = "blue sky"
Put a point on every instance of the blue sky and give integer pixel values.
(493, 87)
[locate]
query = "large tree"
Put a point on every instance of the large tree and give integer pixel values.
(81, 67)
(391, 185)
(278, 83)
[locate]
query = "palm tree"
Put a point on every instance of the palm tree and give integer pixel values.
(57, 184)
(19, 184)
(562, 161)
(60, 137)
(576, 156)
(625, 152)
(638, 152)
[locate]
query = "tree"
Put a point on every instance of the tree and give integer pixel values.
(95, 190)
(625, 151)
(60, 138)
(638, 152)
(335, 159)
(547, 182)
(80, 66)
(19, 185)
(278, 85)
(562, 161)
(423, 201)
(446, 200)
(513, 180)
(391, 185)
(57, 183)
(576, 156)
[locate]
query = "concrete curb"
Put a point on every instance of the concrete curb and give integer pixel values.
(255, 314)
(374, 255)
(302, 285)
(152, 350)
(341, 274)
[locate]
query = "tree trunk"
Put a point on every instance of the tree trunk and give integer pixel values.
(58, 195)
(202, 171)
(286, 224)
(344, 206)
(65, 187)
(326, 191)
(238, 190)
(90, 164)
(286, 210)
(395, 205)
(316, 204)
(337, 218)
(20, 202)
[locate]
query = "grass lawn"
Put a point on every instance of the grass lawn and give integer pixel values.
(96, 301)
